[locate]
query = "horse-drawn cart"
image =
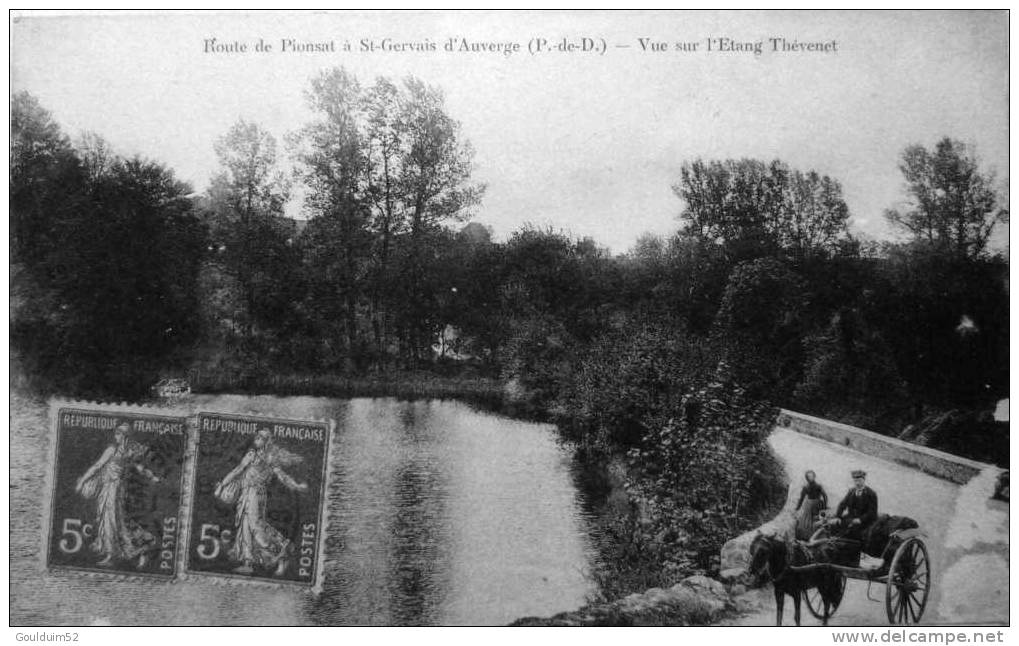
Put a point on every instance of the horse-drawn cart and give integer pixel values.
(905, 572)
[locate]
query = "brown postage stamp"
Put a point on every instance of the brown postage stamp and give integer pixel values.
(116, 491)
(257, 501)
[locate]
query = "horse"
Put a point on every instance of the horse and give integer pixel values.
(771, 558)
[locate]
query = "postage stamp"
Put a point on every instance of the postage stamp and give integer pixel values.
(116, 494)
(258, 494)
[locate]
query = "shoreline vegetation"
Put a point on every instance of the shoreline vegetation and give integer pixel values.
(401, 385)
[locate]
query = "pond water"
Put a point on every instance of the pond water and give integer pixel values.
(438, 514)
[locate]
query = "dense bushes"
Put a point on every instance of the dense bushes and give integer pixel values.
(692, 443)
(627, 378)
(536, 361)
(700, 473)
(850, 375)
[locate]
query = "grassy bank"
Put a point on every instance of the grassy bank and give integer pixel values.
(403, 385)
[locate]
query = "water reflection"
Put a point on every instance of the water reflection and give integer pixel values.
(436, 514)
(448, 516)
(416, 567)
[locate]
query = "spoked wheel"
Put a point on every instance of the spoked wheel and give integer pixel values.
(909, 583)
(816, 605)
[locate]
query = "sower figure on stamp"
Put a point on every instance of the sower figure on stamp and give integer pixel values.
(104, 482)
(859, 507)
(257, 542)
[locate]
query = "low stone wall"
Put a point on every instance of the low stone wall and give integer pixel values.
(937, 463)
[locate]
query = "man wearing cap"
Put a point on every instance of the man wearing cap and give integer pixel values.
(859, 507)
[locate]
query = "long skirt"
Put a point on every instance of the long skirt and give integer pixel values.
(114, 537)
(257, 541)
(806, 517)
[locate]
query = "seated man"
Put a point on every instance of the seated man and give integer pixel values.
(858, 509)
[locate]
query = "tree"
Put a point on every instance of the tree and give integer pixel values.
(105, 261)
(390, 161)
(134, 284)
(467, 278)
(332, 162)
(734, 204)
(760, 326)
(434, 186)
(253, 185)
(47, 182)
(954, 206)
(751, 209)
(385, 148)
(96, 155)
(253, 239)
(814, 218)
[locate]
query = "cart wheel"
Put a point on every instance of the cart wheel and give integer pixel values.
(909, 583)
(816, 606)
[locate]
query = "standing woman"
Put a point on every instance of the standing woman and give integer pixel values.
(813, 499)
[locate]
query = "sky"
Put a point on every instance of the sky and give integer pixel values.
(589, 142)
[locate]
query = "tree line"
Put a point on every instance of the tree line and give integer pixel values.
(121, 272)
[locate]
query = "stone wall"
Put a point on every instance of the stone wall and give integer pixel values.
(937, 463)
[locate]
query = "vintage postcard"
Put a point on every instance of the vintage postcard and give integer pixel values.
(116, 498)
(520, 318)
(257, 502)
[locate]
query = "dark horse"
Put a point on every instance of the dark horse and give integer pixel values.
(771, 558)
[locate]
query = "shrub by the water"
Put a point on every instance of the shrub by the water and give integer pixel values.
(693, 442)
(625, 378)
(702, 474)
(537, 360)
